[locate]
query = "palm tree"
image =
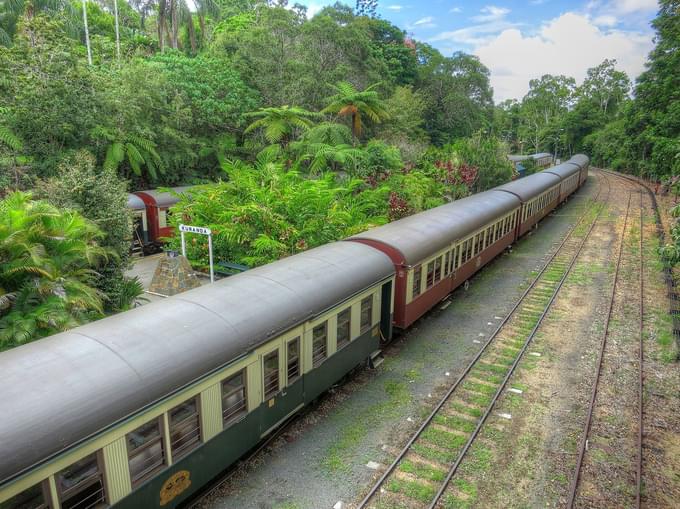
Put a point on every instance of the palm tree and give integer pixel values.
(47, 261)
(280, 124)
(350, 102)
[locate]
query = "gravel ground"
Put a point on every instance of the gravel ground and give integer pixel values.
(529, 459)
(321, 458)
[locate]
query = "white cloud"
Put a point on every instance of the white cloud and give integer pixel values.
(424, 21)
(491, 13)
(490, 23)
(474, 35)
(455, 10)
(631, 6)
(606, 20)
(395, 7)
(569, 45)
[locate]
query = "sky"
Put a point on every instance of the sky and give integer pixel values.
(519, 41)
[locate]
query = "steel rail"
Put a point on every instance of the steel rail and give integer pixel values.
(520, 355)
(428, 420)
(671, 290)
(641, 354)
(584, 439)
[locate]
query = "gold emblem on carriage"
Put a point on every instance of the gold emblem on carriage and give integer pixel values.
(175, 485)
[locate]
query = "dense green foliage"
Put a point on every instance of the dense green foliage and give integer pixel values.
(99, 195)
(299, 130)
(47, 277)
(262, 212)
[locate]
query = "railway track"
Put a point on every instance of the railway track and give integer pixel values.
(423, 470)
(606, 351)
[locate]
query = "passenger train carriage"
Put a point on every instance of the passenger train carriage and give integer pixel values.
(143, 408)
(150, 210)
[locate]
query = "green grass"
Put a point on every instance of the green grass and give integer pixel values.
(423, 471)
(338, 454)
(478, 459)
(482, 400)
(464, 487)
(455, 423)
(491, 368)
(479, 388)
(443, 439)
(287, 505)
(431, 454)
(415, 490)
(474, 412)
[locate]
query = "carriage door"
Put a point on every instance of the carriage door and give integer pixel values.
(386, 311)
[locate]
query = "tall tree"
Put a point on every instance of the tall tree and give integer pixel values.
(115, 14)
(605, 86)
(653, 122)
(87, 33)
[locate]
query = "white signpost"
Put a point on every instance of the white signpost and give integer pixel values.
(185, 228)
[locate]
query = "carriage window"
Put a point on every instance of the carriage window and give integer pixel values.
(438, 269)
(456, 253)
(344, 319)
(293, 360)
(478, 244)
(32, 498)
(162, 218)
(234, 398)
(271, 374)
(447, 263)
(145, 451)
(417, 277)
(366, 313)
(319, 346)
(185, 428)
(430, 274)
(81, 484)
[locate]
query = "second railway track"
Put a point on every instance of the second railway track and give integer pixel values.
(422, 471)
(615, 413)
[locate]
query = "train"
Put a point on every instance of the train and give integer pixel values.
(540, 161)
(144, 408)
(150, 210)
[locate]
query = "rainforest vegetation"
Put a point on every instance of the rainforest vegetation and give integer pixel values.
(297, 131)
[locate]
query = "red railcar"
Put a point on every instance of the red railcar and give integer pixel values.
(157, 205)
(437, 250)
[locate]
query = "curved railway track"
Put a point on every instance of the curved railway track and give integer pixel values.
(585, 437)
(423, 470)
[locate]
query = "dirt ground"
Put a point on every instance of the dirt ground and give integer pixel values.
(322, 458)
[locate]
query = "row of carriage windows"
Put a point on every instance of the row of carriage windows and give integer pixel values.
(81, 485)
(435, 270)
(541, 203)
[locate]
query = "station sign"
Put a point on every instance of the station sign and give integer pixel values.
(201, 230)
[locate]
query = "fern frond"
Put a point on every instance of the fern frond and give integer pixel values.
(8, 138)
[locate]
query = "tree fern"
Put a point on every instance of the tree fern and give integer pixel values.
(9, 139)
